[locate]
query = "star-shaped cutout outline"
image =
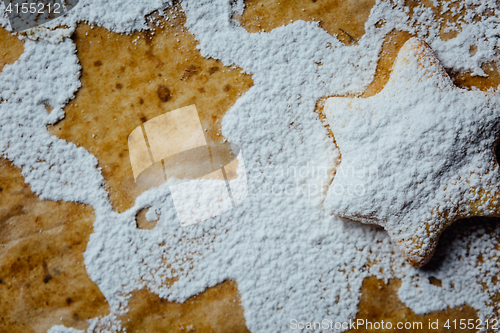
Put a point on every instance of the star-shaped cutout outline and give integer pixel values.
(418, 155)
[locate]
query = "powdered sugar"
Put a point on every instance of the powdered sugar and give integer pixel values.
(432, 146)
(285, 251)
(121, 16)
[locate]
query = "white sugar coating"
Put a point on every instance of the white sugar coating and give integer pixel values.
(416, 155)
(121, 16)
(290, 258)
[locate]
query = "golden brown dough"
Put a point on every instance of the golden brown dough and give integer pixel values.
(43, 281)
(378, 300)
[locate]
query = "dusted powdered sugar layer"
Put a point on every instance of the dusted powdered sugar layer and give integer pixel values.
(428, 147)
(290, 258)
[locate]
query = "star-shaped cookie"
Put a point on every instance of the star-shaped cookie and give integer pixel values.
(417, 156)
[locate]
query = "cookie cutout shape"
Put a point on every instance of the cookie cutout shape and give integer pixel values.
(417, 156)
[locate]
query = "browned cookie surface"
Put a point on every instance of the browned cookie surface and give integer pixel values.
(43, 281)
(129, 79)
(125, 80)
